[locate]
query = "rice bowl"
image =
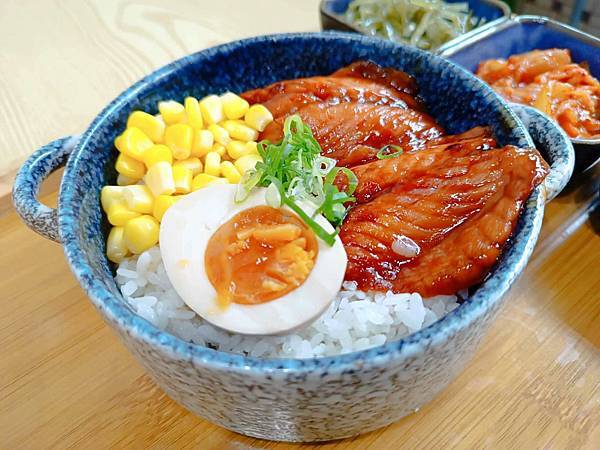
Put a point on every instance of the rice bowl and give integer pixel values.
(285, 399)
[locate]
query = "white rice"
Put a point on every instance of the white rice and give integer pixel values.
(355, 320)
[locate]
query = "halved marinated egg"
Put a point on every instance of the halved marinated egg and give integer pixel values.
(248, 267)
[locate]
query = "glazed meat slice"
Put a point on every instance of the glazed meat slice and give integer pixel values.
(459, 205)
(381, 175)
(368, 70)
(353, 133)
(362, 82)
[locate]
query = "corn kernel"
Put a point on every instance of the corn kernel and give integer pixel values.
(116, 249)
(220, 134)
(194, 164)
(130, 167)
(139, 198)
(110, 195)
(212, 109)
(247, 162)
(252, 148)
(230, 172)
(151, 126)
(182, 177)
(212, 164)
(141, 233)
(234, 106)
(193, 113)
(133, 143)
(203, 180)
(122, 180)
(162, 203)
(156, 154)
(171, 111)
(179, 138)
(219, 149)
(239, 130)
(237, 149)
(118, 214)
(203, 142)
(258, 117)
(159, 179)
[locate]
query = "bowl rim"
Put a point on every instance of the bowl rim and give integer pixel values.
(490, 293)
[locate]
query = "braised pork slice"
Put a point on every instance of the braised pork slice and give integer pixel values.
(459, 205)
(352, 133)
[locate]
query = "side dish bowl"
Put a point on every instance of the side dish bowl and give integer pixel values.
(287, 399)
(525, 33)
(493, 11)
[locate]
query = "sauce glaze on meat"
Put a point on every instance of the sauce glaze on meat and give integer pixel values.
(458, 197)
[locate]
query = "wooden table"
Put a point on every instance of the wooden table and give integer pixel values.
(65, 380)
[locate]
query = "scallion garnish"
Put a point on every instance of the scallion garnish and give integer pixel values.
(299, 173)
(382, 153)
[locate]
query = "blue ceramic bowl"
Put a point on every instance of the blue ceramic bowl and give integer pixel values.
(525, 33)
(493, 11)
(284, 399)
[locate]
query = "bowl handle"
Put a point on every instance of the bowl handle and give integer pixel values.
(40, 218)
(554, 145)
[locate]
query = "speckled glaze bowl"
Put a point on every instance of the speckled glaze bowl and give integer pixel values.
(287, 399)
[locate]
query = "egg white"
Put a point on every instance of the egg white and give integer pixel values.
(185, 231)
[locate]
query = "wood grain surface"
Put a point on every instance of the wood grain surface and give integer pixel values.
(66, 381)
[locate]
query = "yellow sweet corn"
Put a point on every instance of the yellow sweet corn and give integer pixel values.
(157, 153)
(258, 117)
(212, 164)
(130, 167)
(237, 149)
(234, 106)
(159, 179)
(192, 111)
(139, 198)
(212, 109)
(182, 177)
(220, 134)
(246, 162)
(151, 126)
(219, 149)
(162, 203)
(179, 138)
(171, 111)
(194, 164)
(122, 180)
(252, 148)
(141, 233)
(110, 195)
(203, 142)
(118, 214)
(239, 130)
(230, 172)
(116, 249)
(203, 180)
(133, 143)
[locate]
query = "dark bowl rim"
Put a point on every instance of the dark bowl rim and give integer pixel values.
(490, 293)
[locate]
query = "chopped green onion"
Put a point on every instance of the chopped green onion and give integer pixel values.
(381, 154)
(294, 171)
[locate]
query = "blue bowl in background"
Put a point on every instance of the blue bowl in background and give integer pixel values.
(286, 399)
(525, 33)
(493, 11)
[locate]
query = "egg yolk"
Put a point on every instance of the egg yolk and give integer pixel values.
(259, 255)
